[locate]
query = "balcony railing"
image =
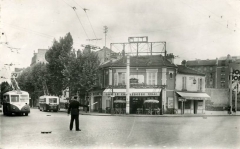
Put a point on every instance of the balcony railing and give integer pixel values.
(137, 86)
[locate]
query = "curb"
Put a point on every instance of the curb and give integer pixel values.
(134, 115)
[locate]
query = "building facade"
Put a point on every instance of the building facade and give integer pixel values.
(216, 71)
(151, 78)
(190, 91)
(39, 57)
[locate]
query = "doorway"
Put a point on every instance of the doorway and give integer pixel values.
(195, 106)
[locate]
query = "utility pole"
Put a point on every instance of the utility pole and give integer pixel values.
(105, 32)
(128, 85)
(230, 94)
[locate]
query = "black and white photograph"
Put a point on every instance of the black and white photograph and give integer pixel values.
(120, 74)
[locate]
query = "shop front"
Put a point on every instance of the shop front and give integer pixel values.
(138, 98)
(191, 103)
(96, 105)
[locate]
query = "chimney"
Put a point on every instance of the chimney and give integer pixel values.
(170, 57)
(216, 61)
(123, 52)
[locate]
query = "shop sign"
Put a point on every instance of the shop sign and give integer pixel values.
(133, 94)
(182, 99)
(236, 71)
(133, 80)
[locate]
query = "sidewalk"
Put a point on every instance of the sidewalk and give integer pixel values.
(207, 113)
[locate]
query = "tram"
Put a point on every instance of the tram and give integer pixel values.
(49, 103)
(16, 102)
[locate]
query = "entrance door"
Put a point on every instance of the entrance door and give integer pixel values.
(135, 103)
(195, 106)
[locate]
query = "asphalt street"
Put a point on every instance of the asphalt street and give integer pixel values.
(24, 132)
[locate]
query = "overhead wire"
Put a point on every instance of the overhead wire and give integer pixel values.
(201, 13)
(74, 9)
(85, 10)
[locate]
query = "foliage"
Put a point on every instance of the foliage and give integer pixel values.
(5, 87)
(31, 80)
(82, 71)
(58, 57)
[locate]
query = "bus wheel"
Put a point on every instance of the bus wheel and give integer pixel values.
(26, 114)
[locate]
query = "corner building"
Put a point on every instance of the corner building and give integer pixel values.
(151, 77)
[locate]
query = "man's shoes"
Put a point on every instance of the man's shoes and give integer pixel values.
(78, 130)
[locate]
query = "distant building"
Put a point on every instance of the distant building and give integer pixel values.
(16, 72)
(216, 71)
(39, 56)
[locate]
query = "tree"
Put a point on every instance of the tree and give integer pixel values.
(184, 62)
(31, 80)
(5, 87)
(81, 72)
(58, 57)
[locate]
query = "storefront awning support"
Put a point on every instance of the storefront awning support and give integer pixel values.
(128, 85)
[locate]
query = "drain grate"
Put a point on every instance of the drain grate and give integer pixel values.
(46, 132)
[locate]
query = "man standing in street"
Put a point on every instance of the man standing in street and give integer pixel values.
(74, 109)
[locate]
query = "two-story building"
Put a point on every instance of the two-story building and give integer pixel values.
(190, 91)
(151, 77)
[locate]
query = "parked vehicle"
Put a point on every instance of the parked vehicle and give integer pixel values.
(48, 103)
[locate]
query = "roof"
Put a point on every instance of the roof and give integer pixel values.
(141, 61)
(201, 62)
(215, 62)
(19, 92)
(47, 96)
(186, 70)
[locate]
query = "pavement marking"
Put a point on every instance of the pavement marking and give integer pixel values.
(131, 128)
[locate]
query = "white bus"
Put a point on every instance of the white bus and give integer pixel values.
(17, 102)
(48, 103)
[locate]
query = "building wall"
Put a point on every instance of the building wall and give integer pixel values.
(222, 77)
(163, 76)
(219, 99)
(210, 72)
(41, 55)
(189, 82)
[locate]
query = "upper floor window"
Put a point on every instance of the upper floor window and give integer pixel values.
(222, 84)
(222, 69)
(152, 76)
(200, 84)
(210, 68)
(205, 68)
(121, 78)
(184, 83)
(170, 74)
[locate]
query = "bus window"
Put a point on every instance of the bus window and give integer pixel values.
(6, 98)
(23, 98)
(52, 100)
(42, 100)
(14, 98)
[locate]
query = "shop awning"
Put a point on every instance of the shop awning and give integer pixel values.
(133, 92)
(194, 96)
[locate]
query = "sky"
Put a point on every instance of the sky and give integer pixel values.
(192, 29)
